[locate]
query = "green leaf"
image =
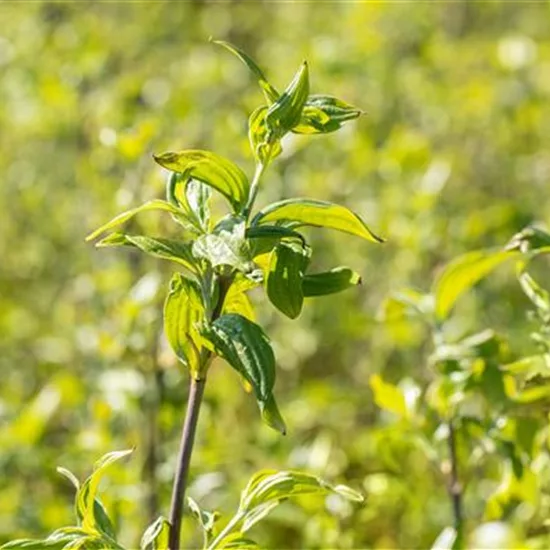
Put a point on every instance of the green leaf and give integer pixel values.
(323, 114)
(285, 113)
(388, 397)
(283, 283)
(245, 346)
(206, 519)
(330, 282)
(270, 92)
(406, 303)
(92, 522)
(192, 197)
(538, 295)
(263, 144)
(530, 367)
(167, 249)
(227, 245)
(463, 273)
(211, 169)
(125, 216)
(300, 211)
(529, 239)
(271, 414)
(236, 541)
(268, 488)
(156, 535)
(183, 310)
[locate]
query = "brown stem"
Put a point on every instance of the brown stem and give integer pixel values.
(455, 488)
(196, 392)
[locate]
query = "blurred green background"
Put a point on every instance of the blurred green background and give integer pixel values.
(453, 155)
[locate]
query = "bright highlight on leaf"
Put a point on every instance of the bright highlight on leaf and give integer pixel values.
(462, 274)
(298, 212)
(211, 169)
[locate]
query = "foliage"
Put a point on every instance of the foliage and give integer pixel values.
(450, 157)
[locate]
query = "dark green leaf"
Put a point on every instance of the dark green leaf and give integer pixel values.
(244, 345)
(298, 212)
(283, 282)
(211, 169)
(330, 282)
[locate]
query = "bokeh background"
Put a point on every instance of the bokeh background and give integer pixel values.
(452, 155)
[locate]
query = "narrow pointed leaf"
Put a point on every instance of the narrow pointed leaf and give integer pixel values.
(125, 216)
(271, 93)
(86, 497)
(236, 541)
(271, 414)
(330, 282)
(211, 169)
(245, 346)
(462, 274)
(298, 212)
(285, 113)
(156, 535)
(183, 310)
(166, 249)
(323, 114)
(283, 282)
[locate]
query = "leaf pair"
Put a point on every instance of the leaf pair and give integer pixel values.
(264, 492)
(293, 110)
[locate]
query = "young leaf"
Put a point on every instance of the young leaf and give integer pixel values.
(298, 212)
(270, 92)
(245, 346)
(268, 488)
(388, 397)
(330, 282)
(167, 249)
(285, 113)
(211, 169)
(125, 216)
(533, 291)
(463, 273)
(227, 245)
(323, 114)
(156, 535)
(239, 302)
(530, 239)
(283, 282)
(86, 495)
(183, 309)
(206, 519)
(264, 146)
(236, 541)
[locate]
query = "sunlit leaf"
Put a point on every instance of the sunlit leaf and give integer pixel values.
(299, 212)
(285, 113)
(167, 249)
(323, 114)
(388, 397)
(125, 216)
(264, 146)
(271, 93)
(211, 169)
(183, 310)
(463, 273)
(86, 495)
(156, 535)
(205, 519)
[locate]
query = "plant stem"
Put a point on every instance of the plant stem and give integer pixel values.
(225, 531)
(455, 489)
(196, 392)
(260, 169)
